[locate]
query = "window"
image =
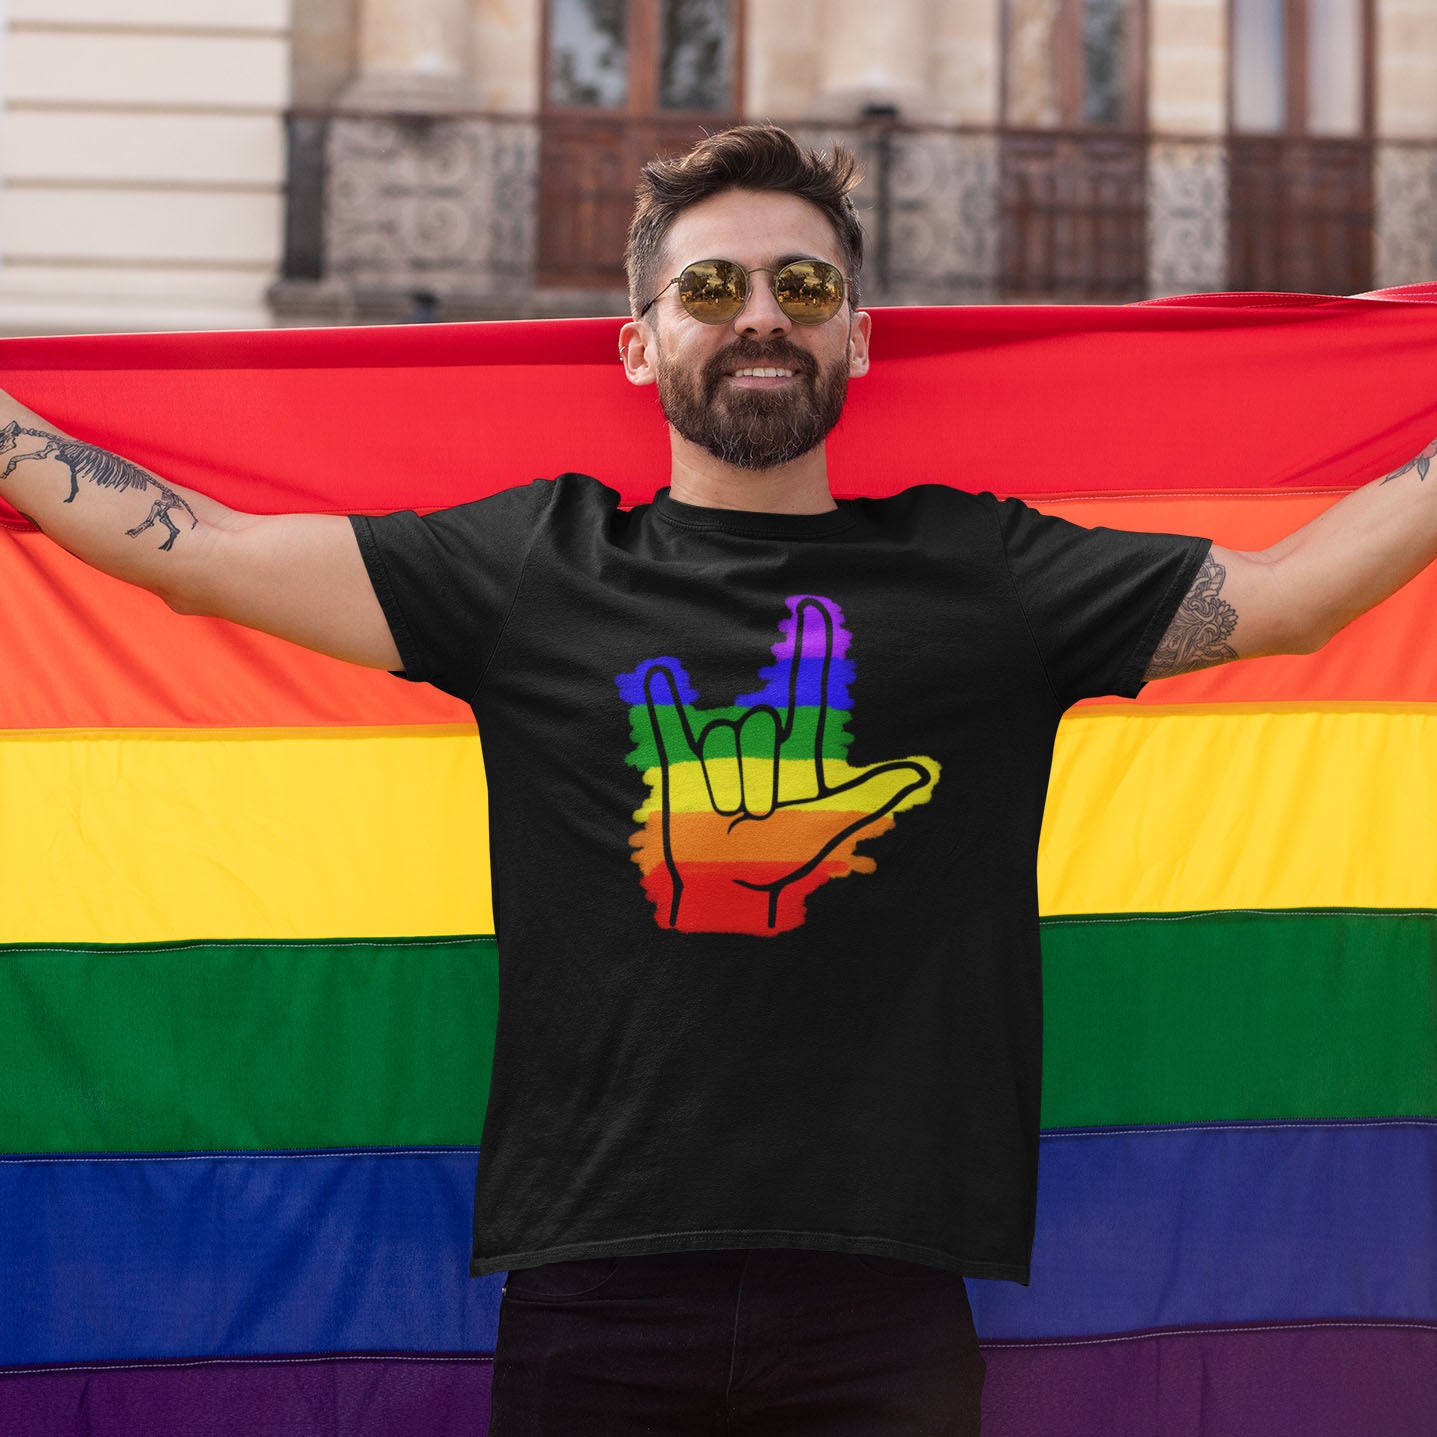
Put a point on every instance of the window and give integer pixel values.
(624, 80)
(1299, 145)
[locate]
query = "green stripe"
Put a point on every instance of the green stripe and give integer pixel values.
(1150, 1019)
(195, 1046)
(836, 738)
(1196, 1017)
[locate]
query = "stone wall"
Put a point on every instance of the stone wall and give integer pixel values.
(1406, 177)
(143, 163)
(412, 206)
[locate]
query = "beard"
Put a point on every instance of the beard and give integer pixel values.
(754, 428)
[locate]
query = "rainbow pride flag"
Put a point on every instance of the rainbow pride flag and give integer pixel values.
(247, 973)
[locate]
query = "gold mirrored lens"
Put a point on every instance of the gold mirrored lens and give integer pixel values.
(713, 290)
(808, 291)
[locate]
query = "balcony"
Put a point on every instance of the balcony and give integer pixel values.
(480, 216)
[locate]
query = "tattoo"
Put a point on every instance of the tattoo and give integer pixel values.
(1197, 637)
(1421, 463)
(100, 467)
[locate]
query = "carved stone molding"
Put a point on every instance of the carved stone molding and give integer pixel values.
(1187, 217)
(1405, 250)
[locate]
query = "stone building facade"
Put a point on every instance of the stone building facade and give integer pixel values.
(142, 163)
(169, 163)
(475, 157)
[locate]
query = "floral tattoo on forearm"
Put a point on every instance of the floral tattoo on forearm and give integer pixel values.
(1421, 463)
(99, 467)
(1197, 637)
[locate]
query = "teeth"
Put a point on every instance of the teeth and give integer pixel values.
(765, 373)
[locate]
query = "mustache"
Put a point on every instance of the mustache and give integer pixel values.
(742, 353)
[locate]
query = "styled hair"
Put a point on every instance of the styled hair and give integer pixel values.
(747, 157)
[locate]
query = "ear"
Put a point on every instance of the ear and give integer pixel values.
(858, 332)
(638, 348)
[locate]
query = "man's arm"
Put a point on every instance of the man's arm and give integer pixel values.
(299, 576)
(1294, 596)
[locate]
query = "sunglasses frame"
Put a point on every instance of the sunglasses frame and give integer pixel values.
(748, 289)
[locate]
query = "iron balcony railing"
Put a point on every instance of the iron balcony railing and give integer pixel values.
(468, 214)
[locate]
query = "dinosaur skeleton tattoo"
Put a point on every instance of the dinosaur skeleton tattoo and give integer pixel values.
(98, 466)
(1197, 637)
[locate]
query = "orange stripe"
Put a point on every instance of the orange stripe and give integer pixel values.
(1386, 656)
(787, 838)
(82, 651)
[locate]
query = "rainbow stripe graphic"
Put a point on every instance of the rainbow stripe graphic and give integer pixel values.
(248, 982)
(753, 808)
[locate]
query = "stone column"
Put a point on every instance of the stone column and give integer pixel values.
(413, 55)
(1405, 181)
(1187, 173)
(876, 54)
(966, 55)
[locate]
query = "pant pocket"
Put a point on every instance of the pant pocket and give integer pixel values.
(559, 1281)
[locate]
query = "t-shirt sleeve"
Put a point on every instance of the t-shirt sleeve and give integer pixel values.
(447, 580)
(1098, 601)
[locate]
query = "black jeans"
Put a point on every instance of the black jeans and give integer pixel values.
(754, 1343)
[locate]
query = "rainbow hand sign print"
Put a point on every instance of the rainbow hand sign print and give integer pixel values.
(751, 808)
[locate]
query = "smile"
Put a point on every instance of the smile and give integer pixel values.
(763, 374)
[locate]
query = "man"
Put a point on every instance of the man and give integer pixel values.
(742, 1146)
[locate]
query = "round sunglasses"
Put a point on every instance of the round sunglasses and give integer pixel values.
(714, 291)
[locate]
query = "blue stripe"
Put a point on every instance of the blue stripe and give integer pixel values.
(212, 1255)
(1166, 1227)
(202, 1256)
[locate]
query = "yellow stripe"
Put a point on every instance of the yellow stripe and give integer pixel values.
(249, 735)
(132, 838)
(1165, 812)
(689, 789)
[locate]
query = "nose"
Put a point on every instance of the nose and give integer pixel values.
(761, 318)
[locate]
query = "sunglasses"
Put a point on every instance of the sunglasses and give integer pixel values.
(714, 291)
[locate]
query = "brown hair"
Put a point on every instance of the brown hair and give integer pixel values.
(747, 157)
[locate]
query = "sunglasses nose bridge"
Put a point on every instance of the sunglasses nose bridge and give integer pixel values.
(760, 308)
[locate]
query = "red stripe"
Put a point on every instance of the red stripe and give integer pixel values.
(713, 901)
(1219, 396)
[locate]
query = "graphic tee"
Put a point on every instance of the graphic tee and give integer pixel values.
(765, 794)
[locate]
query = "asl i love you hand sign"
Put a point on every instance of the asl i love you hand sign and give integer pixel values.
(751, 808)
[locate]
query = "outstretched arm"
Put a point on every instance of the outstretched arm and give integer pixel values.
(1293, 597)
(299, 576)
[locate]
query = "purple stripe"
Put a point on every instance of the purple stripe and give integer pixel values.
(1315, 1380)
(819, 638)
(815, 630)
(1289, 1381)
(335, 1396)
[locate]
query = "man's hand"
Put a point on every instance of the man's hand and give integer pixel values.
(299, 576)
(753, 808)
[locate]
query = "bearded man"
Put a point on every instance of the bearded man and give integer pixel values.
(743, 1146)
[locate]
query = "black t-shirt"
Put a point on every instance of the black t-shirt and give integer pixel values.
(765, 793)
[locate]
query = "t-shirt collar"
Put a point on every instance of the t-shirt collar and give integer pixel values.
(760, 525)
